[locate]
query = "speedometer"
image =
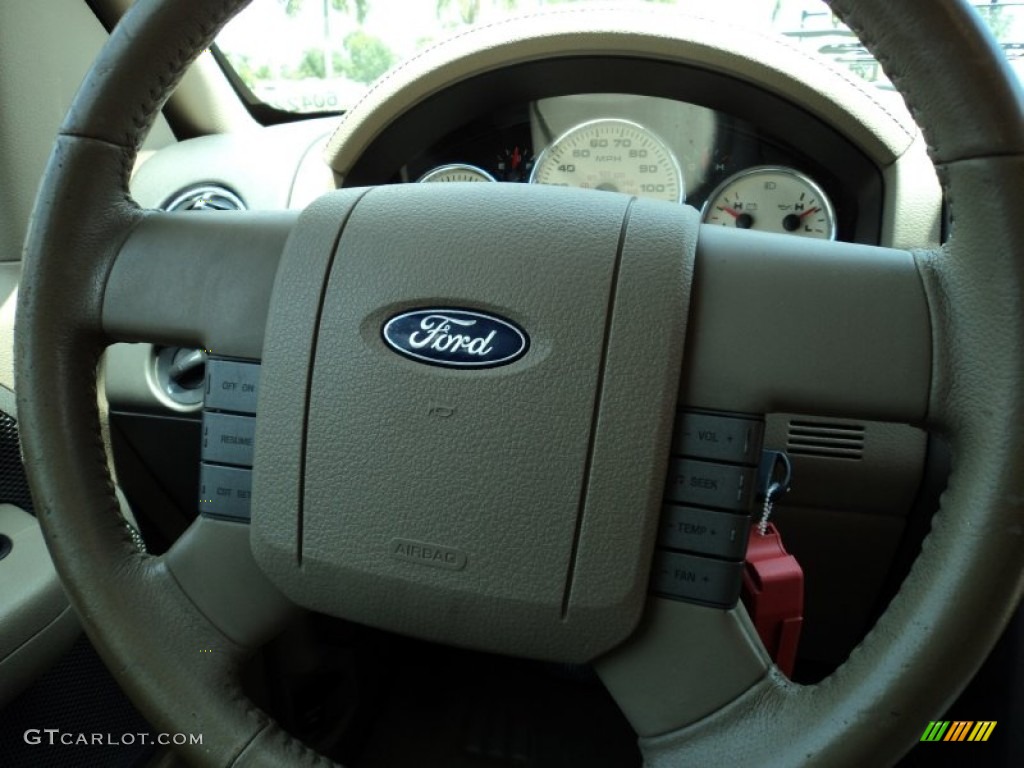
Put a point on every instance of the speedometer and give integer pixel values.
(612, 155)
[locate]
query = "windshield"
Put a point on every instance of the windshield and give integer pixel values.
(322, 55)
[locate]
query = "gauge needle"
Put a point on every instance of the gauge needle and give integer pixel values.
(805, 214)
(743, 220)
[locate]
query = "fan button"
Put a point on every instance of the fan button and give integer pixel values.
(697, 579)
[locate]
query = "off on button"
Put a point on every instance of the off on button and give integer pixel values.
(232, 386)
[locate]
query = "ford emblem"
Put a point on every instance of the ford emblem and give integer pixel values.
(455, 338)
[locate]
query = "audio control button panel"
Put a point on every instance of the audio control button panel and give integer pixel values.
(709, 495)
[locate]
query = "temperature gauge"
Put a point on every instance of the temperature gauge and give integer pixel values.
(772, 199)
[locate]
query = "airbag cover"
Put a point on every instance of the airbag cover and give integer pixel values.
(507, 507)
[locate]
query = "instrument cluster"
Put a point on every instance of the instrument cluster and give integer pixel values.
(735, 173)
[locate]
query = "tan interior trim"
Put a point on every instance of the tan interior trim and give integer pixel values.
(884, 130)
(204, 102)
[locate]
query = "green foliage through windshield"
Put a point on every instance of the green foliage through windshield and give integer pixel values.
(321, 55)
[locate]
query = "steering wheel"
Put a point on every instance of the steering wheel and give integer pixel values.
(541, 513)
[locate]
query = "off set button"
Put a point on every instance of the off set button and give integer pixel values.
(225, 492)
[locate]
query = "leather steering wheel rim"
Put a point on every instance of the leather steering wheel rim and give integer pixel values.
(937, 630)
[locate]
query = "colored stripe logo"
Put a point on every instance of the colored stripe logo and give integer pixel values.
(958, 730)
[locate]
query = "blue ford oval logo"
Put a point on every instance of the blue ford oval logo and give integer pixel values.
(457, 338)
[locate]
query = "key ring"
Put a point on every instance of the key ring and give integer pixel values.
(776, 488)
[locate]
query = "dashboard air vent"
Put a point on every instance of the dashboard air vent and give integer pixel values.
(208, 197)
(826, 440)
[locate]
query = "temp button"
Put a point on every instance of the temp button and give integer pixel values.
(704, 531)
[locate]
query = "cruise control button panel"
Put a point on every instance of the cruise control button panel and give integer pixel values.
(229, 438)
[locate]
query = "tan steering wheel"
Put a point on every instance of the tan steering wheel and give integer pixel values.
(93, 272)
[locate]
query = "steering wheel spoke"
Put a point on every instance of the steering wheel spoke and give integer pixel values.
(684, 662)
(212, 563)
(197, 279)
(785, 324)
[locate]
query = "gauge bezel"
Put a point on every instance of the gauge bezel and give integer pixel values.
(620, 121)
(427, 177)
(800, 176)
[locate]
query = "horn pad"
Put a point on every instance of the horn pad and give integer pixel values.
(472, 450)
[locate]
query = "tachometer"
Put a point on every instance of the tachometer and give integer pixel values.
(772, 199)
(613, 155)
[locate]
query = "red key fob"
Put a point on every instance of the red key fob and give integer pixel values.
(773, 593)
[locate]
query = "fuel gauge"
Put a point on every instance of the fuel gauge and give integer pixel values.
(772, 199)
(456, 172)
